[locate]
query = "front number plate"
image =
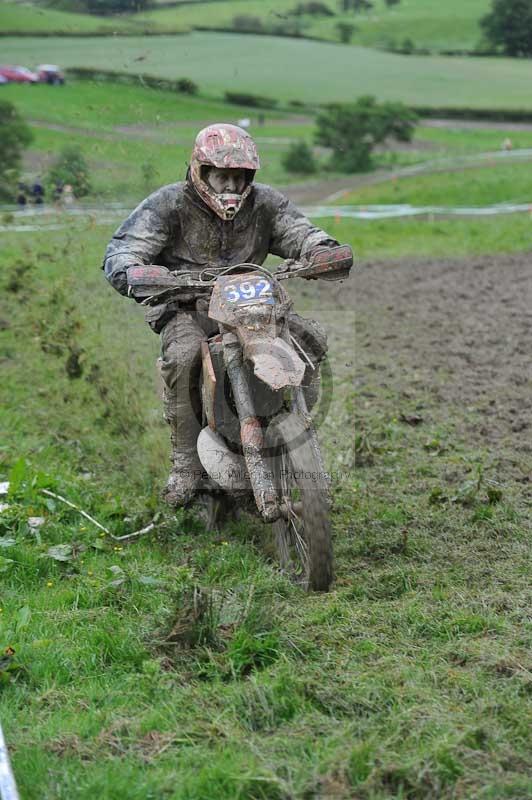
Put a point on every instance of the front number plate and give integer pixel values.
(252, 289)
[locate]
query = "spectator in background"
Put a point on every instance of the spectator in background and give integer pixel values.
(57, 192)
(68, 195)
(37, 192)
(22, 192)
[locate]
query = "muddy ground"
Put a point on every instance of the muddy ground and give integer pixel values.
(451, 341)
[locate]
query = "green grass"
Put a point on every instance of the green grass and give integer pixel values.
(116, 166)
(458, 140)
(487, 185)
(26, 18)
(163, 126)
(440, 238)
(409, 680)
(103, 106)
(427, 23)
(160, 128)
(324, 71)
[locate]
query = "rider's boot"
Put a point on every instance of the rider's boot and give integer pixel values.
(185, 474)
(186, 471)
(180, 365)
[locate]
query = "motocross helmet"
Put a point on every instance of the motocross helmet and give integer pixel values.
(226, 147)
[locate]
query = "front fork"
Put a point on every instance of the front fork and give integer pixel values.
(251, 433)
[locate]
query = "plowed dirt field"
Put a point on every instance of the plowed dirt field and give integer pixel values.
(453, 337)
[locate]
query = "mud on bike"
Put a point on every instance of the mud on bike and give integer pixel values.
(259, 379)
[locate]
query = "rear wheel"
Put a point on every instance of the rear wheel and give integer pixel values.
(303, 534)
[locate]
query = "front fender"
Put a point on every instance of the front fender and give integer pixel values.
(275, 362)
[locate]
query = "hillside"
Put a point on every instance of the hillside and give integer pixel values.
(27, 19)
(427, 23)
(319, 72)
(419, 24)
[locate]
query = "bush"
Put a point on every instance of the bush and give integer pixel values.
(182, 85)
(314, 9)
(114, 6)
(509, 26)
(247, 23)
(71, 168)
(186, 86)
(356, 5)
(290, 27)
(299, 159)
(253, 100)
(345, 31)
(15, 135)
(352, 131)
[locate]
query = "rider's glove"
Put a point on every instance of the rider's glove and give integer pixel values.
(330, 262)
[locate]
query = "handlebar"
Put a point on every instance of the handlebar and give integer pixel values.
(155, 283)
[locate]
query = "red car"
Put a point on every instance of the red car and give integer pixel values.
(18, 74)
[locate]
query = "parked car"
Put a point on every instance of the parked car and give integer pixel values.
(50, 73)
(18, 74)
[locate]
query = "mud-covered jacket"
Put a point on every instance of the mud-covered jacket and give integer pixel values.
(175, 229)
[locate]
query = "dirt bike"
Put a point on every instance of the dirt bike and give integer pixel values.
(258, 445)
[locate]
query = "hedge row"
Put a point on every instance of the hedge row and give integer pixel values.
(466, 113)
(251, 100)
(181, 85)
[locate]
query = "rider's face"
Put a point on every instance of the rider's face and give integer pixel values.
(227, 181)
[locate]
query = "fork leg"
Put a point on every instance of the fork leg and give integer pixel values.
(251, 433)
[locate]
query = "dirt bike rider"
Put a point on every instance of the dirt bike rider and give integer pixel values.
(217, 216)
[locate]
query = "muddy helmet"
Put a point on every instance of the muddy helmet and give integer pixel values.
(226, 147)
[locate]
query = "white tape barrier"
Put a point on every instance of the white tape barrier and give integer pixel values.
(376, 212)
(8, 787)
(398, 211)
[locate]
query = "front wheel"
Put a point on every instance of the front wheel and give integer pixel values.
(303, 534)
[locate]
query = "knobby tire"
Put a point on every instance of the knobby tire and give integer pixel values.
(304, 540)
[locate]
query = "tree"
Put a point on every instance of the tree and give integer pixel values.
(345, 31)
(509, 26)
(15, 135)
(299, 158)
(71, 167)
(390, 3)
(352, 131)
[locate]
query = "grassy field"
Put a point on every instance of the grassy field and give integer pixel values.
(117, 165)
(426, 23)
(124, 131)
(121, 129)
(26, 18)
(493, 183)
(409, 680)
(104, 106)
(324, 71)
(442, 238)
(460, 140)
